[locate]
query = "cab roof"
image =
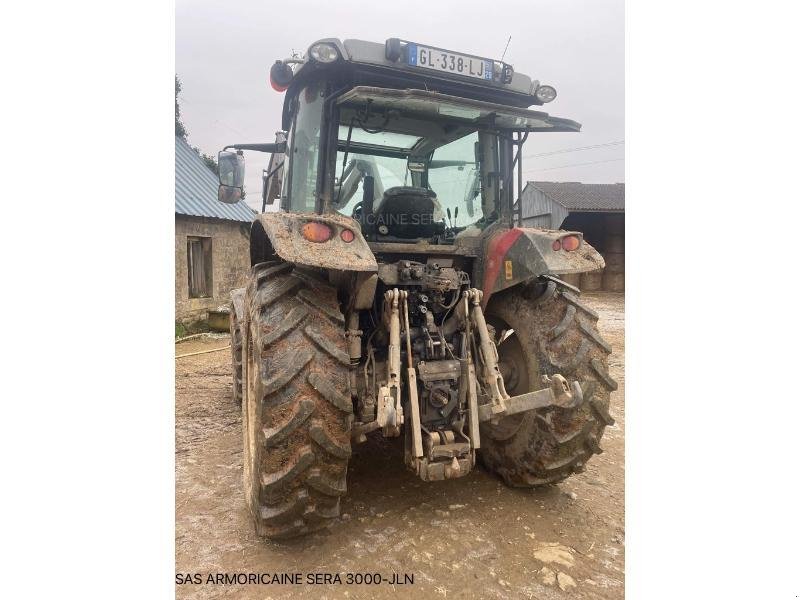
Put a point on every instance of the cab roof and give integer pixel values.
(364, 63)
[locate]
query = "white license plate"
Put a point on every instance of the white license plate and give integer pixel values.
(449, 62)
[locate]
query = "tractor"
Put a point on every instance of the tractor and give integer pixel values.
(394, 290)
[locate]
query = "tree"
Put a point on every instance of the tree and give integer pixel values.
(211, 161)
(180, 128)
(181, 132)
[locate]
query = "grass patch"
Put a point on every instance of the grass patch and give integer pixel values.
(184, 329)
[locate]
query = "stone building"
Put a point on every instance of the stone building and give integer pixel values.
(595, 209)
(212, 247)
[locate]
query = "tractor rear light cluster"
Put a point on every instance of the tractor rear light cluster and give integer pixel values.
(317, 232)
(568, 243)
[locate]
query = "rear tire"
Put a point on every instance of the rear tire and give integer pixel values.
(297, 412)
(553, 332)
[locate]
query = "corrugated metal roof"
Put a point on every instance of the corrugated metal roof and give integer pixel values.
(196, 189)
(584, 196)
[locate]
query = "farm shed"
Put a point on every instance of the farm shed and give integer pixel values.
(212, 247)
(595, 209)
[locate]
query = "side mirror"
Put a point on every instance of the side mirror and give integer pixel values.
(231, 177)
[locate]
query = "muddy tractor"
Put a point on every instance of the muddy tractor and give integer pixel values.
(394, 290)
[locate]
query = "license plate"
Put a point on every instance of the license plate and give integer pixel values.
(449, 62)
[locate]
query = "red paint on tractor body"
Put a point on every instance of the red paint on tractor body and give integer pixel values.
(496, 251)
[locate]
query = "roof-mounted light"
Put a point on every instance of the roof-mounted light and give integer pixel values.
(545, 93)
(324, 52)
(507, 74)
(393, 49)
(280, 76)
(502, 72)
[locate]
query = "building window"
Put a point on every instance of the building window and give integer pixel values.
(198, 251)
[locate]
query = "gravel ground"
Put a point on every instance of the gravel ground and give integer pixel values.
(466, 538)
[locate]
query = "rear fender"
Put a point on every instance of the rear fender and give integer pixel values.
(520, 254)
(280, 233)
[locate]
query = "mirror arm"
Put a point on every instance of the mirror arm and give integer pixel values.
(271, 148)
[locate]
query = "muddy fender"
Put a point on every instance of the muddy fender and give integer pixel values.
(520, 254)
(281, 234)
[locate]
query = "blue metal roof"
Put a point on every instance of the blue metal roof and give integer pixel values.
(196, 189)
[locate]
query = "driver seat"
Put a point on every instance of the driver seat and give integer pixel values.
(408, 212)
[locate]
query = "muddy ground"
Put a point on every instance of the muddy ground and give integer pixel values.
(466, 538)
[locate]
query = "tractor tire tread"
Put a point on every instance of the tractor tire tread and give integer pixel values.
(561, 336)
(274, 435)
(297, 395)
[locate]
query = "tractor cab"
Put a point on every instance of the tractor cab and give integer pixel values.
(414, 142)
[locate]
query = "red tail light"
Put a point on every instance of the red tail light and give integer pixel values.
(347, 235)
(317, 232)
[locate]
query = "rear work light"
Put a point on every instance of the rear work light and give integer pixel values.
(317, 232)
(546, 93)
(324, 52)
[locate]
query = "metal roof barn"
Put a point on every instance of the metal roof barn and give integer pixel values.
(548, 203)
(196, 189)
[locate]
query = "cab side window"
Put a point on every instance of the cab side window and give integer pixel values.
(300, 185)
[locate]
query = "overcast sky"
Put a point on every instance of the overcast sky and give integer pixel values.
(224, 51)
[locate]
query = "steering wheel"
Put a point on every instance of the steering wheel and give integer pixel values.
(356, 214)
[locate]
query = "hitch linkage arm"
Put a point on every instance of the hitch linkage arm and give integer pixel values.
(470, 310)
(558, 393)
